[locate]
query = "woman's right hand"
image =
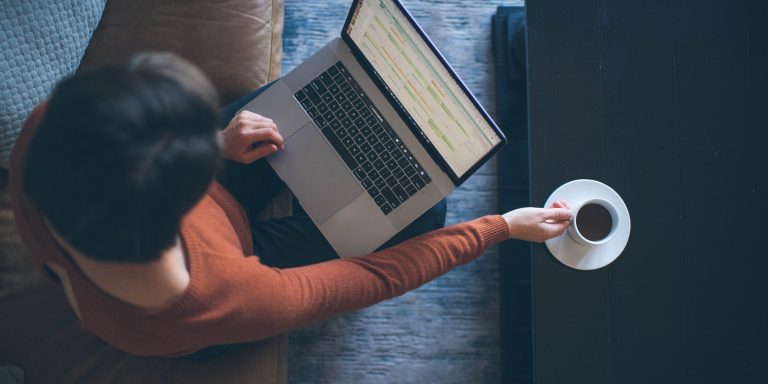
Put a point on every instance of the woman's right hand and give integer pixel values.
(539, 224)
(249, 137)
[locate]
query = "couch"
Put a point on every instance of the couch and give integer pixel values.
(238, 44)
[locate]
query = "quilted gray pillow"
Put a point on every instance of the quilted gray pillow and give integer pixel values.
(41, 41)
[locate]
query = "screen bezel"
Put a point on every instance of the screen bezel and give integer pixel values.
(417, 131)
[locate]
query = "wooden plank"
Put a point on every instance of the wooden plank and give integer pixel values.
(565, 108)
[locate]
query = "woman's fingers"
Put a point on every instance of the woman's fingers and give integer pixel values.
(556, 228)
(258, 152)
(557, 214)
(248, 115)
(247, 121)
(259, 135)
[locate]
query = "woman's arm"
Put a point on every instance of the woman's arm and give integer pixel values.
(253, 301)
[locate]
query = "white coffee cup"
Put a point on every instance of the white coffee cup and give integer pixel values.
(595, 228)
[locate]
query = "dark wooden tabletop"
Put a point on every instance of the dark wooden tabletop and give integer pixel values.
(666, 102)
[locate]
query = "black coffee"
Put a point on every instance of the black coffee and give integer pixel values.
(594, 222)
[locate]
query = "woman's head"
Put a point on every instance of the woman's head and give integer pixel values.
(122, 153)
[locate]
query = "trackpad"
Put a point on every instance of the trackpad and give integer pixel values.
(315, 174)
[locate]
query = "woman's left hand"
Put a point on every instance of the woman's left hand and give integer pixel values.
(250, 137)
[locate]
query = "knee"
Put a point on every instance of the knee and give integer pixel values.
(437, 214)
(432, 219)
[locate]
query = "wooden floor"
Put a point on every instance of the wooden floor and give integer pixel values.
(448, 330)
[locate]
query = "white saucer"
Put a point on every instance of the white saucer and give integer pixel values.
(589, 257)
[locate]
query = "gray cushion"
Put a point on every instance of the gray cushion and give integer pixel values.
(41, 41)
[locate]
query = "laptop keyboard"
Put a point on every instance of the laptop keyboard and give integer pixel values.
(371, 149)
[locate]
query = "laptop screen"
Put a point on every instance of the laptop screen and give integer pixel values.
(416, 77)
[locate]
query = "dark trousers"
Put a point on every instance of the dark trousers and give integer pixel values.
(292, 241)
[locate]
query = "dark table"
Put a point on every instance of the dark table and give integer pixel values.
(667, 102)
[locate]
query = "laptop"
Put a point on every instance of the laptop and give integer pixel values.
(378, 128)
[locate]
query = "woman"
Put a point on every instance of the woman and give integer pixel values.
(114, 189)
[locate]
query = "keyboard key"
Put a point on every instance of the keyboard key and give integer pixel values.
(378, 164)
(367, 183)
(326, 79)
(354, 150)
(365, 147)
(347, 141)
(314, 97)
(403, 162)
(400, 193)
(385, 172)
(391, 181)
(359, 139)
(417, 181)
(366, 131)
(403, 180)
(321, 122)
(329, 116)
(386, 208)
(347, 105)
(345, 87)
(313, 112)
(359, 173)
(380, 183)
(398, 173)
(318, 86)
(333, 105)
(390, 196)
(300, 95)
(340, 149)
(386, 156)
(333, 71)
(360, 157)
(392, 164)
(358, 104)
(411, 190)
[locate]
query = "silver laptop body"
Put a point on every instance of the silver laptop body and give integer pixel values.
(335, 175)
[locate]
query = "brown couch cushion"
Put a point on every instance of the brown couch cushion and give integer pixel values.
(54, 349)
(237, 43)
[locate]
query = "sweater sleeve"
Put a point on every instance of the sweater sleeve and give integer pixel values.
(254, 301)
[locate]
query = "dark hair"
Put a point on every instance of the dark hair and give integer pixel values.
(121, 155)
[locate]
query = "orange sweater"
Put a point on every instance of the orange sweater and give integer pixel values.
(232, 297)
